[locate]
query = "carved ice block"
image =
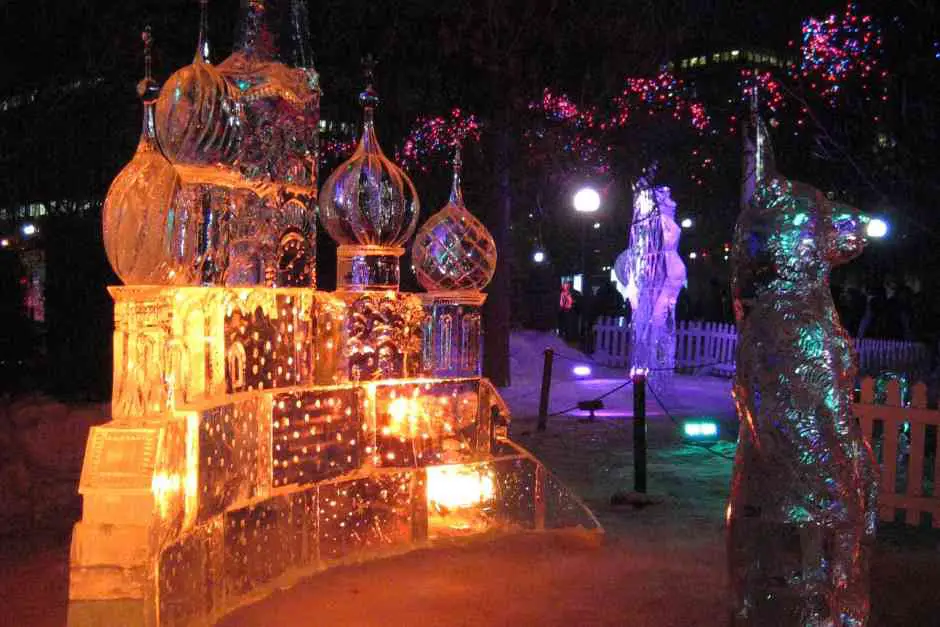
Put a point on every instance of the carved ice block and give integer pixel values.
(452, 344)
(367, 336)
(117, 475)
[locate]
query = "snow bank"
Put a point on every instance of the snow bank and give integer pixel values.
(42, 443)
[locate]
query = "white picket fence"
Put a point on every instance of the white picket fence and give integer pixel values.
(700, 346)
(709, 348)
(879, 355)
(905, 437)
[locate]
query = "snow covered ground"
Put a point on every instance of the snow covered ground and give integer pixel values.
(661, 565)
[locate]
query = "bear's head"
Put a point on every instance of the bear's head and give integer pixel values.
(788, 238)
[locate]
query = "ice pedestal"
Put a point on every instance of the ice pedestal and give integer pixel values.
(261, 434)
(453, 344)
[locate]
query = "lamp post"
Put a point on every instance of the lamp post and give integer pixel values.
(586, 201)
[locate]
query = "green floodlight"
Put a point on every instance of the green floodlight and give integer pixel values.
(701, 429)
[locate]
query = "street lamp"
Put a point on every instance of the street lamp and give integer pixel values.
(29, 229)
(686, 223)
(877, 228)
(587, 200)
(538, 256)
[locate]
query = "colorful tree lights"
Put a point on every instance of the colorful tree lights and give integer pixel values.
(561, 129)
(838, 47)
(333, 149)
(769, 88)
(433, 139)
(663, 93)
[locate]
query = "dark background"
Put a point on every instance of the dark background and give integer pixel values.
(69, 120)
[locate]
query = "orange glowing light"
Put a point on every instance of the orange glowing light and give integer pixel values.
(458, 487)
(164, 487)
(406, 415)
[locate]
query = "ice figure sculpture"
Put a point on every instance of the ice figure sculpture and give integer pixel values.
(261, 433)
(370, 207)
(454, 257)
(653, 273)
(801, 515)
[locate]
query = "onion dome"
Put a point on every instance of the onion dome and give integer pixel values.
(198, 114)
(368, 200)
(137, 216)
(453, 251)
(280, 104)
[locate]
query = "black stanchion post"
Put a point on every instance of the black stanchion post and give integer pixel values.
(546, 388)
(639, 431)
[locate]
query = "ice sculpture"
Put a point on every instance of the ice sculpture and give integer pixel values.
(454, 257)
(271, 237)
(199, 117)
(137, 216)
(453, 251)
(801, 515)
(261, 433)
(370, 207)
(222, 189)
(652, 271)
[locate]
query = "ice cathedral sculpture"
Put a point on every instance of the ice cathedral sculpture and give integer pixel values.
(802, 515)
(653, 274)
(261, 429)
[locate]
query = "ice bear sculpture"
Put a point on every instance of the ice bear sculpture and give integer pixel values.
(802, 509)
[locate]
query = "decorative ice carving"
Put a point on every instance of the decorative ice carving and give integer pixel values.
(653, 273)
(802, 514)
